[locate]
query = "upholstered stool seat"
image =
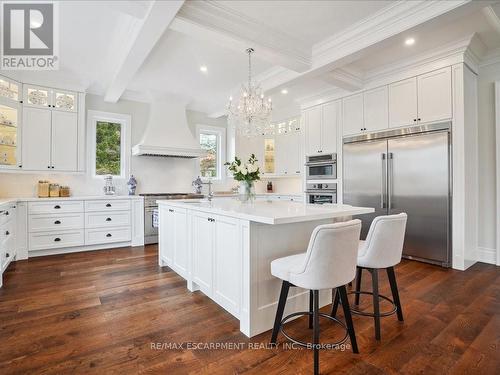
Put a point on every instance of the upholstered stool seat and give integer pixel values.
(329, 262)
(382, 249)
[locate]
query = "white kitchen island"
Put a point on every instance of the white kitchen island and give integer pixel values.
(224, 248)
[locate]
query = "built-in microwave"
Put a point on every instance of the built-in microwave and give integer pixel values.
(321, 167)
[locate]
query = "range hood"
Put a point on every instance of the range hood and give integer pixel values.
(167, 133)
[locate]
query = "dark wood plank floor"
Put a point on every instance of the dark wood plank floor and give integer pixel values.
(102, 312)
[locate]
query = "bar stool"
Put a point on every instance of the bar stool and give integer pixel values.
(330, 262)
(383, 248)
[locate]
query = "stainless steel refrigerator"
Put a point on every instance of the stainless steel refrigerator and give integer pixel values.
(404, 170)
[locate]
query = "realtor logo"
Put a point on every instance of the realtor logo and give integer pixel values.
(29, 36)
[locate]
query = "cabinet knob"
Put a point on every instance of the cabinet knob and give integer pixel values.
(170, 210)
(109, 235)
(108, 205)
(108, 219)
(7, 232)
(57, 222)
(57, 207)
(57, 239)
(7, 255)
(415, 120)
(419, 119)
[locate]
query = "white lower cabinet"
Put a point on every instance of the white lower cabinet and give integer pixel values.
(66, 224)
(56, 239)
(174, 240)
(227, 266)
(209, 255)
(8, 224)
(203, 251)
(101, 236)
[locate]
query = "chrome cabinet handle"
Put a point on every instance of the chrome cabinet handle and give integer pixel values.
(390, 158)
(383, 181)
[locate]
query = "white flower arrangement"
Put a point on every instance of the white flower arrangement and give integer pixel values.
(248, 172)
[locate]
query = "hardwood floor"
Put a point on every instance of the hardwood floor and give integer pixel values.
(104, 312)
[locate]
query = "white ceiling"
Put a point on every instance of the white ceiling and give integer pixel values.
(310, 21)
(96, 35)
(174, 66)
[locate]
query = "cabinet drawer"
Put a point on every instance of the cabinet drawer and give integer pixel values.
(107, 205)
(8, 249)
(39, 223)
(54, 207)
(56, 239)
(7, 231)
(7, 213)
(107, 219)
(99, 236)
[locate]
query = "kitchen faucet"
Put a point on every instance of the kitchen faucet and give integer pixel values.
(210, 193)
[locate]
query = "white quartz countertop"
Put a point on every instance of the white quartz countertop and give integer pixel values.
(269, 212)
(72, 198)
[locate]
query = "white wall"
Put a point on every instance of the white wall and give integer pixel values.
(153, 174)
(487, 166)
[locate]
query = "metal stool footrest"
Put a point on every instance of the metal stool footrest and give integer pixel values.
(382, 314)
(310, 344)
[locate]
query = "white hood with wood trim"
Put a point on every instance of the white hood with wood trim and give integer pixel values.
(167, 133)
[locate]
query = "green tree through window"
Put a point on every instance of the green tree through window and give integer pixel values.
(208, 164)
(108, 148)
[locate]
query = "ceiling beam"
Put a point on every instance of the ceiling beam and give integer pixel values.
(212, 21)
(155, 23)
(344, 79)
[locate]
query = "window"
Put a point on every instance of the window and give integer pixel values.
(213, 141)
(107, 148)
(109, 144)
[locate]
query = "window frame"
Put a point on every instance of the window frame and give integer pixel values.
(93, 117)
(220, 132)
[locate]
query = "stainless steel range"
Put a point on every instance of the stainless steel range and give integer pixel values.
(150, 206)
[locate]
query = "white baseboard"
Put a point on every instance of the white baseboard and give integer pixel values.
(486, 255)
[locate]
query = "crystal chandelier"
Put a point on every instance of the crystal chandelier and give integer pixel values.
(250, 114)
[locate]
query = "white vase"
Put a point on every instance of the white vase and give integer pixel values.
(246, 191)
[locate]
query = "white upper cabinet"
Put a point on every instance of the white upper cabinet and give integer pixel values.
(352, 109)
(64, 156)
(45, 97)
(330, 123)
(37, 96)
(313, 118)
(294, 158)
(321, 123)
(64, 100)
(36, 144)
(376, 109)
(434, 96)
(403, 103)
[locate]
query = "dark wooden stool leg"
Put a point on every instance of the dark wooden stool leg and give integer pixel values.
(316, 332)
(376, 306)
(348, 318)
(395, 294)
(279, 312)
(335, 304)
(311, 297)
(359, 271)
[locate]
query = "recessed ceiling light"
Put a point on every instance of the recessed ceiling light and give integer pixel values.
(203, 68)
(410, 41)
(284, 91)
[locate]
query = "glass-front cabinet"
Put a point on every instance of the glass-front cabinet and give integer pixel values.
(269, 156)
(10, 119)
(44, 97)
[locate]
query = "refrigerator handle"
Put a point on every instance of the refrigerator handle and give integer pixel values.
(383, 183)
(390, 157)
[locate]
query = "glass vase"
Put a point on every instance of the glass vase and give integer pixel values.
(247, 191)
